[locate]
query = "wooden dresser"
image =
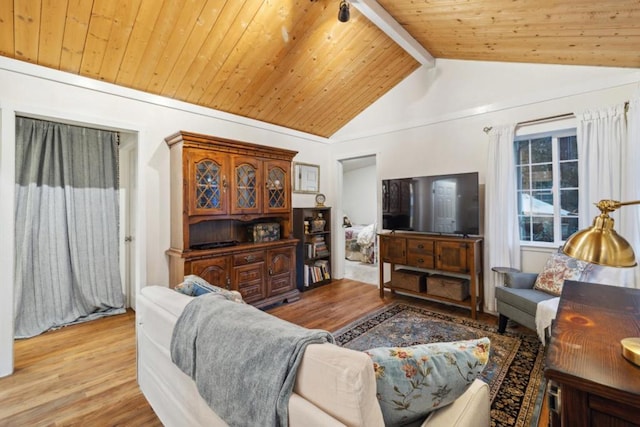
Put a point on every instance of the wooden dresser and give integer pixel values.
(590, 383)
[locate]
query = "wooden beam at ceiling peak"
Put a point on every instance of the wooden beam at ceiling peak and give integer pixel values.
(375, 13)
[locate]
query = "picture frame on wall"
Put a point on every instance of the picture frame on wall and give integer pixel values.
(306, 178)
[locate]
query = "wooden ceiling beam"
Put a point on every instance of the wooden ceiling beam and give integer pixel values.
(375, 13)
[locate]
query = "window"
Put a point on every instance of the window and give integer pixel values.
(547, 186)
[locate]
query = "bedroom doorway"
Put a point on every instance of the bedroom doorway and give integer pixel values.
(360, 216)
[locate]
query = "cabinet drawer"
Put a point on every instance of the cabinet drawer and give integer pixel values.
(248, 258)
(249, 274)
(251, 291)
(416, 246)
(420, 260)
(249, 280)
(280, 284)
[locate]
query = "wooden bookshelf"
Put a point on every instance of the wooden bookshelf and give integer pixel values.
(313, 257)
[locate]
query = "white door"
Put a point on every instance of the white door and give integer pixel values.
(127, 167)
(444, 206)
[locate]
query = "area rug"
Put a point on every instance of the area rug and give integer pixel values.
(514, 372)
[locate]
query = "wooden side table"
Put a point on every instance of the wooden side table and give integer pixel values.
(590, 382)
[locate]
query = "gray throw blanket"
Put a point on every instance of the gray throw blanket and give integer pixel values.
(243, 361)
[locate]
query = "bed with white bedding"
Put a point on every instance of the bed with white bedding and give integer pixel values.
(360, 243)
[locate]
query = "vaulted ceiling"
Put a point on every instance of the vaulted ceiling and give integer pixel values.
(291, 62)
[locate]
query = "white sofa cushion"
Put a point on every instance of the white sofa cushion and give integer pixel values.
(341, 382)
(472, 409)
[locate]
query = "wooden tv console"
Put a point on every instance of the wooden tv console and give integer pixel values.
(447, 255)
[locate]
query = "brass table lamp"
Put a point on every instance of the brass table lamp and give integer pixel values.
(600, 244)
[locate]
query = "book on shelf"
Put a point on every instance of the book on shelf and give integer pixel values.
(316, 272)
(325, 271)
(316, 249)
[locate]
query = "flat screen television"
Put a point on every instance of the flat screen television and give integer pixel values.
(438, 204)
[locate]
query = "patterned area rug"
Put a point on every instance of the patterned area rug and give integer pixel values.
(514, 372)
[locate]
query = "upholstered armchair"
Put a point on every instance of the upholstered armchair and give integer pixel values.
(531, 299)
(517, 299)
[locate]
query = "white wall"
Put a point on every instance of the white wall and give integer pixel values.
(37, 91)
(359, 196)
(456, 89)
(432, 122)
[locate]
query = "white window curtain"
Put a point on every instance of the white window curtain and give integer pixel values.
(630, 215)
(604, 166)
(502, 236)
(66, 216)
(601, 135)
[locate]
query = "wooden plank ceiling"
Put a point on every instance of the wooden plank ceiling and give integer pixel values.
(573, 32)
(291, 63)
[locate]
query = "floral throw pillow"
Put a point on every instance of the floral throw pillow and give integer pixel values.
(559, 267)
(413, 381)
(195, 286)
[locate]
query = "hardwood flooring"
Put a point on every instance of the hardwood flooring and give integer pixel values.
(80, 375)
(85, 374)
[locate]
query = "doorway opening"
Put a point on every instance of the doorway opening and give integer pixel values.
(360, 218)
(86, 176)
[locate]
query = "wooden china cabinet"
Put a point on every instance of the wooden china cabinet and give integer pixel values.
(221, 191)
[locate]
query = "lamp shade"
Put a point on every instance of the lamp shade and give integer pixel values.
(600, 244)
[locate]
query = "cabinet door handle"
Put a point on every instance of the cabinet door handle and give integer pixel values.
(250, 258)
(420, 260)
(228, 286)
(420, 246)
(270, 272)
(224, 183)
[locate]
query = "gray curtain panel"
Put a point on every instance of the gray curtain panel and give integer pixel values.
(66, 259)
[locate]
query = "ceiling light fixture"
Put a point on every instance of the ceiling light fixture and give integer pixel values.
(343, 13)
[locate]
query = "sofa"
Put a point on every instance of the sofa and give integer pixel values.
(334, 386)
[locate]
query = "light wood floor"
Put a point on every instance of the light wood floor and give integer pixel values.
(85, 374)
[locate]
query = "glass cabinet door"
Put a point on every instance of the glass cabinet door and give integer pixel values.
(207, 185)
(247, 181)
(277, 186)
